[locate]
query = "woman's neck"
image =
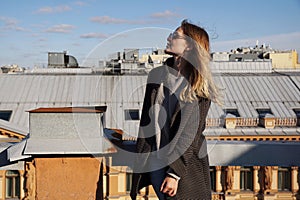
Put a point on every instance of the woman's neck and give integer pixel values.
(177, 64)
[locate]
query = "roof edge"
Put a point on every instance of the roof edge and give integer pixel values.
(84, 109)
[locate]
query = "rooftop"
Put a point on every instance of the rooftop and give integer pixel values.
(246, 94)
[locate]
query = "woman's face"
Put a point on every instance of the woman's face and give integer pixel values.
(176, 44)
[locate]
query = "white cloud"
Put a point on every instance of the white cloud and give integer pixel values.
(75, 44)
(42, 39)
(111, 20)
(286, 41)
(154, 19)
(9, 21)
(80, 3)
(11, 24)
(18, 28)
(56, 9)
(108, 20)
(61, 28)
(93, 35)
(165, 14)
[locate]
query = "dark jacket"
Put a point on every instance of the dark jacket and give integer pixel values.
(186, 153)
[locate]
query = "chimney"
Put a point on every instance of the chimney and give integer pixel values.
(67, 130)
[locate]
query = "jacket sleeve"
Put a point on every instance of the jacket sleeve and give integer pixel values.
(145, 122)
(188, 142)
(146, 127)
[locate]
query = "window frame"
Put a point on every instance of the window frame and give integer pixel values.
(14, 186)
(132, 114)
(232, 111)
(246, 178)
(284, 183)
(297, 113)
(128, 181)
(262, 112)
(212, 173)
(6, 115)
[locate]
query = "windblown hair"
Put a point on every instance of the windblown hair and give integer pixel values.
(195, 65)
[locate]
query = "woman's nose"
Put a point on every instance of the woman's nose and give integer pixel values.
(169, 37)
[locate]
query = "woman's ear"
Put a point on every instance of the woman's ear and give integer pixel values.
(189, 48)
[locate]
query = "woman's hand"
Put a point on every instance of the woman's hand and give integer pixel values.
(169, 186)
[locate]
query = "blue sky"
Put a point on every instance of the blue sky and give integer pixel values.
(29, 29)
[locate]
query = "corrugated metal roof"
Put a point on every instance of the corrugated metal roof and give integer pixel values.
(13, 127)
(40, 146)
(296, 81)
(26, 92)
(245, 92)
(242, 67)
(15, 152)
(239, 153)
(5, 162)
(250, 153)
(12, 166)
(4, 146)
(262, 91)
(259, 131)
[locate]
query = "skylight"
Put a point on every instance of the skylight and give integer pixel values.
(132, 114)
(5, 114)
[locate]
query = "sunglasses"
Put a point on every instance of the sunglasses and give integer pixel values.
(174, 35)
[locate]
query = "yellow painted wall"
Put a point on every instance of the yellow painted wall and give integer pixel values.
(67, 178)
(155, 58)
(288, 60)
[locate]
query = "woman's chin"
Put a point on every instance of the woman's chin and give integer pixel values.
(168, 51)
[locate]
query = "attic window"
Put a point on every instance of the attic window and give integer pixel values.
(263, 112)
(5, 114)
(297, 112)
(132, 114)
(232, 111)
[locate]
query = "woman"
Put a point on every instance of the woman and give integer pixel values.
(171, 149)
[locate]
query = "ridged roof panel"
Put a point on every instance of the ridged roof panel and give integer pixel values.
(244, 92)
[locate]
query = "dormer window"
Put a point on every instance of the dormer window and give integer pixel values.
(231, 111)
(297, 112)
(132, 114)
(5, 114)
(266, 118)
(231, 118)
(263, 112)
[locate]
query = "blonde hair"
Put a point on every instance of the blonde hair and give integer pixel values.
(195, 65)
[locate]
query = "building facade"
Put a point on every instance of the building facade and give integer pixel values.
(50, 149)
(285, 60)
